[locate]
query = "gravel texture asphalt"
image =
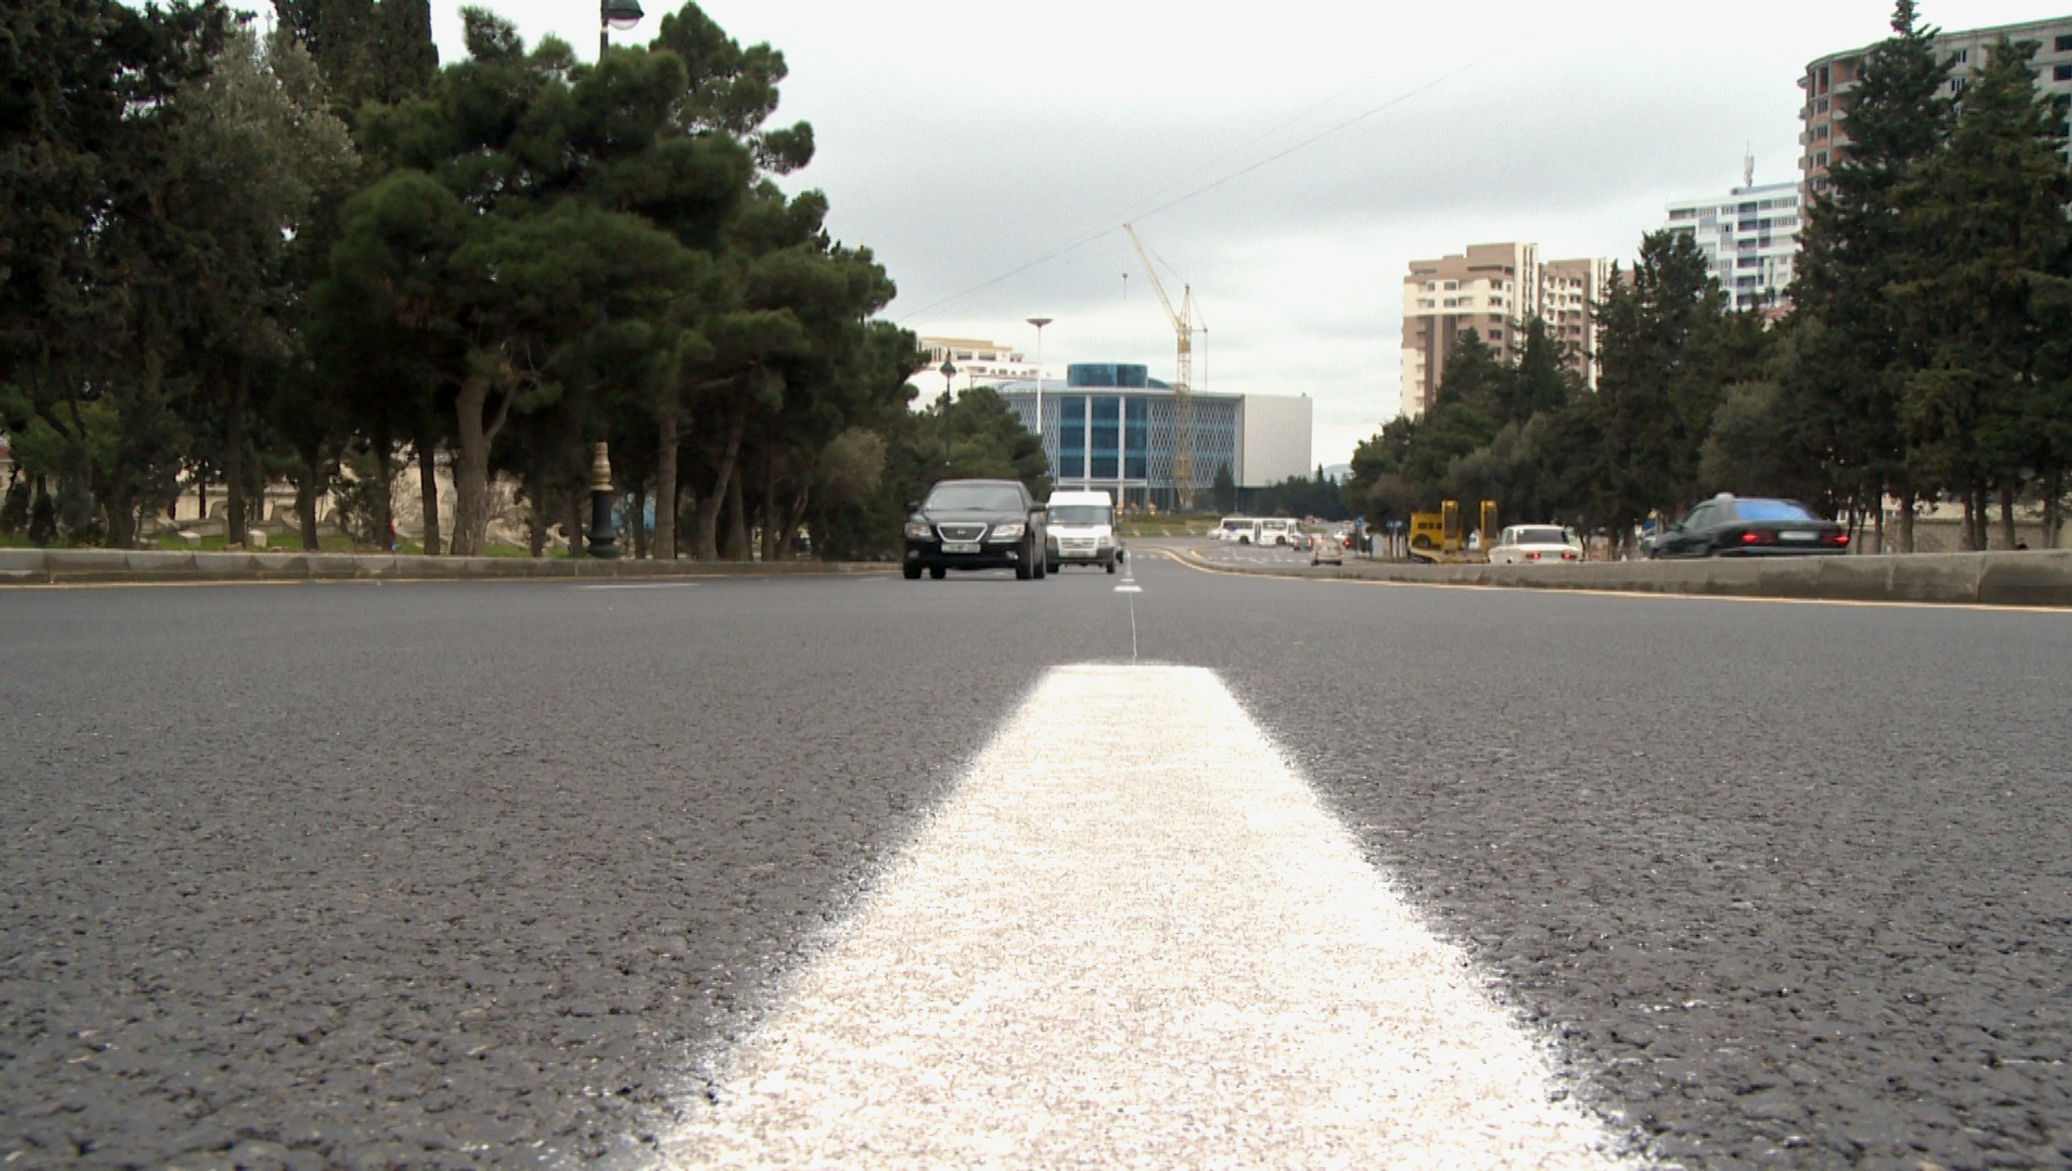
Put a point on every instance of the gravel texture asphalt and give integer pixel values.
(469, 874)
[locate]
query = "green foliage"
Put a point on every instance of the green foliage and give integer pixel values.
(1224, 489)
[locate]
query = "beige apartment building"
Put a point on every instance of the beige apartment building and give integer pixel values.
(1829, 81)
(977, 362)
(1493, 289)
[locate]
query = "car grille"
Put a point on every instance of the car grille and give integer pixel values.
(961, 532)
(1077, 544)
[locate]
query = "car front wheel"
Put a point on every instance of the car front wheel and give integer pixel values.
(910, 572)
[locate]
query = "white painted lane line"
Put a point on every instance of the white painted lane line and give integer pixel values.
(1133, 937)
(642, 585)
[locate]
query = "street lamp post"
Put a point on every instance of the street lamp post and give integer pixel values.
(615, 14)
(1039, 323)
(948, 372)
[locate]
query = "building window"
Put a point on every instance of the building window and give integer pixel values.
(1072, 437)
(1452, 285)
(2065, 44)
(2061, 73)
(1960, 56)
(1106, 440)
(1136, 438)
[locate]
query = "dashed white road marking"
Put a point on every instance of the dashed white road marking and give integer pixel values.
(640, 585)
(1133, 937)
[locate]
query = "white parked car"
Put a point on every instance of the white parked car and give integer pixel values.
(1536, 545)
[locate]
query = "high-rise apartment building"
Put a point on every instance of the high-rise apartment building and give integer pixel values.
(1749, 237)
(1493, 289)
(1829, 81)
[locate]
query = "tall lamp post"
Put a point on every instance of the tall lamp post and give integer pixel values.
(1039, 323)
(615, 14)
(948, 372)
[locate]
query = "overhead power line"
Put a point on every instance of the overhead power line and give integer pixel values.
(1312, 140)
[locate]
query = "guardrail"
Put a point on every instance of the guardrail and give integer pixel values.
(139, 567)
(2027, 578)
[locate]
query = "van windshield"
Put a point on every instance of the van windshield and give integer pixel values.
(1234, 525)
(1079, 514)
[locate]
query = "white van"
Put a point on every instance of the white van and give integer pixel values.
(1082, 531)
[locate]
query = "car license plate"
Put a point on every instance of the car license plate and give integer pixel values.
(960, 546)
(1796, 536)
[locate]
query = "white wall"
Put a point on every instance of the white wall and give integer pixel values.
(1276, 440)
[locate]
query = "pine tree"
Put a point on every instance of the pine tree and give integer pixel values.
(1849, 387)
(1985, 229)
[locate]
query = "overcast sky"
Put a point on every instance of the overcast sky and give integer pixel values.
(963, 141)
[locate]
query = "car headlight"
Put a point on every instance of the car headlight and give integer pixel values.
(1104, 540)
(1009, 532)
(919, 530)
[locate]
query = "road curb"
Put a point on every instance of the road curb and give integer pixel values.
(45, 567)
(2030, 578)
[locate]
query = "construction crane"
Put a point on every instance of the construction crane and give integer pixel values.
(1183, 392)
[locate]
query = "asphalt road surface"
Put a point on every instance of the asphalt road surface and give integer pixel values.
(479, 874)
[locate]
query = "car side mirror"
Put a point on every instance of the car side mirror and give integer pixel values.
(913, 506)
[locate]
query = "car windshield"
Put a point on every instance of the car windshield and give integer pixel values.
(1770, 510)
(978, 497)
(1542, 537)
(1078, 514)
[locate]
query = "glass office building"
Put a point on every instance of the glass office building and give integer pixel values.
(1111, 426)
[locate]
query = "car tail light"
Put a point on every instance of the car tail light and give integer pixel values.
(1838, 538)
(1568, 557)
(1756, 537)
(1532, 557)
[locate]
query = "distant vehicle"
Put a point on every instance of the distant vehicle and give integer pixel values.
(1237, 529)
(1275, 530)
(1535, 545)
(975, 524)
(1726, 526)
(1082, 531)
(1324, 548)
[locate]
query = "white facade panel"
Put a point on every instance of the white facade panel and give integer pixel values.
(1276, 440)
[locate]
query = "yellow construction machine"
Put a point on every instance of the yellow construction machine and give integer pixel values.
(1436, 536)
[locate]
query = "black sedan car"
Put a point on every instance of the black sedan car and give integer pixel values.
(1729, 526)
(975, 524)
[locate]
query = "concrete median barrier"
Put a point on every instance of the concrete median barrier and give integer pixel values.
(34, 567)
(2024, 578)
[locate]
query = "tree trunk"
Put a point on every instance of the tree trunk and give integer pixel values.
(1906, 519)
(308, 486)
(384, 466)
(1981, 520)
(1880, 530)
(737, 524)
(234, 526)
(640, 529)
(708, 508)
(471, 468)
(471, 463)
(2007, 540)
(789, 547)
(772, 536)
(665, 487)
(536, 512)
(2053, 510)
(428, 491)
(577, 540)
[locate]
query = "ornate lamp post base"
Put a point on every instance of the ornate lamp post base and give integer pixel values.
(603, 536)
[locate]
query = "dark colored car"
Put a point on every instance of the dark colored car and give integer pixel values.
(975, 524)
(1726, 526)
